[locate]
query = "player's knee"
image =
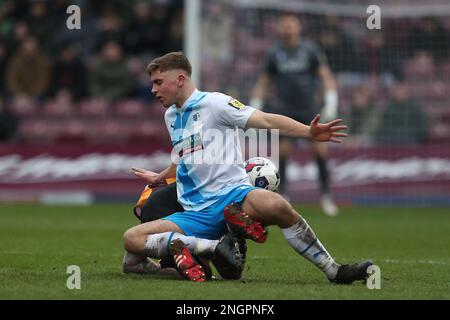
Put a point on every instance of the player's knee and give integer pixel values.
(130, 238)
(283, 213)
(278, 204)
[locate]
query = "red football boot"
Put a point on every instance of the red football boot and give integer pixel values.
(186, 265)
(241, 224)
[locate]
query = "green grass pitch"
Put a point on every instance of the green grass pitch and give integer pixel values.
(37, 243)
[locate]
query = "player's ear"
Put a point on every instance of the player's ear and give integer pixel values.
(181, 79)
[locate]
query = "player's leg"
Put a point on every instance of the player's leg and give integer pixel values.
(319, 151)
(165, 200)
(152, 239)
(272, 209)
(161, 203)
(160, 238)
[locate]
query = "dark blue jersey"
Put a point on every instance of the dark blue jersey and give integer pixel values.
(294, 75)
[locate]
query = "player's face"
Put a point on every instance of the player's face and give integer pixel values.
(165, 86)
(289, 28)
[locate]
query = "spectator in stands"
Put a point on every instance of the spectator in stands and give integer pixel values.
(8, 123)
(28, 71)
(87, 38)
(377, 57)
(339, 50)
(69, 73)
(421, 67)
(111, 77)
(137, 68)
(7, 18)
(20, 33)
(174, 41)
(362, 118)
(164, 16)
(403, 121)
(144, 33)
(40, 22)
(3, 62)
(430, 35)
(110, 25)
(217, 33)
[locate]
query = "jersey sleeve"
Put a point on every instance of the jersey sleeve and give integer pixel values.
(230, 112)
(319, 57)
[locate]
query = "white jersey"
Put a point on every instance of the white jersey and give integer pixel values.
(205, 137)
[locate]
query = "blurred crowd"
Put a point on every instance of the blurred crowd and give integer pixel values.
(403, 96)
(90, 84)
(394, 83)
(47, 68)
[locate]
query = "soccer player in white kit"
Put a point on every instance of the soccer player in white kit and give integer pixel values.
(206, 185)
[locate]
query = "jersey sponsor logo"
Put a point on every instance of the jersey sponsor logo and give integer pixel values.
(293, 65)
(189, 145)
(236, 104)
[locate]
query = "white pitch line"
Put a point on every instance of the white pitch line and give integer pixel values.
(388, 260)
(396, 261)
(17, 252)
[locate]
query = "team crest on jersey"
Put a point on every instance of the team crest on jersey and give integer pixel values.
(236, 104)
(196, 117)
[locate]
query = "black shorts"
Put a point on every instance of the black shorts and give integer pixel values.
(161, 203)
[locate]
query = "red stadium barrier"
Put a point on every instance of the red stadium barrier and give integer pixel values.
(363, 175)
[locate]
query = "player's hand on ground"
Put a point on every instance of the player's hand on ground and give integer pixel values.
(327, 131)
(147, 175)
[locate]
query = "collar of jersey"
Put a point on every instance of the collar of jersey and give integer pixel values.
(187, 102)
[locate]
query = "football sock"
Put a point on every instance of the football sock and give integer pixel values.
(302, 238)
(157, 245)
(323, 175)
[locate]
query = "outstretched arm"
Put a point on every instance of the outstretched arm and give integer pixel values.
(153, 177)
(289, 127)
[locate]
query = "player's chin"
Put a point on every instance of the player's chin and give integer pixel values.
(166, 104)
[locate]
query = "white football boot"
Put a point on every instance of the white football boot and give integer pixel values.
(329, 207)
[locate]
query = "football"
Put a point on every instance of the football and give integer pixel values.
(262, 173)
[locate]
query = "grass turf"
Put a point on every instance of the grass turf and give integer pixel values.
(37, 243)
